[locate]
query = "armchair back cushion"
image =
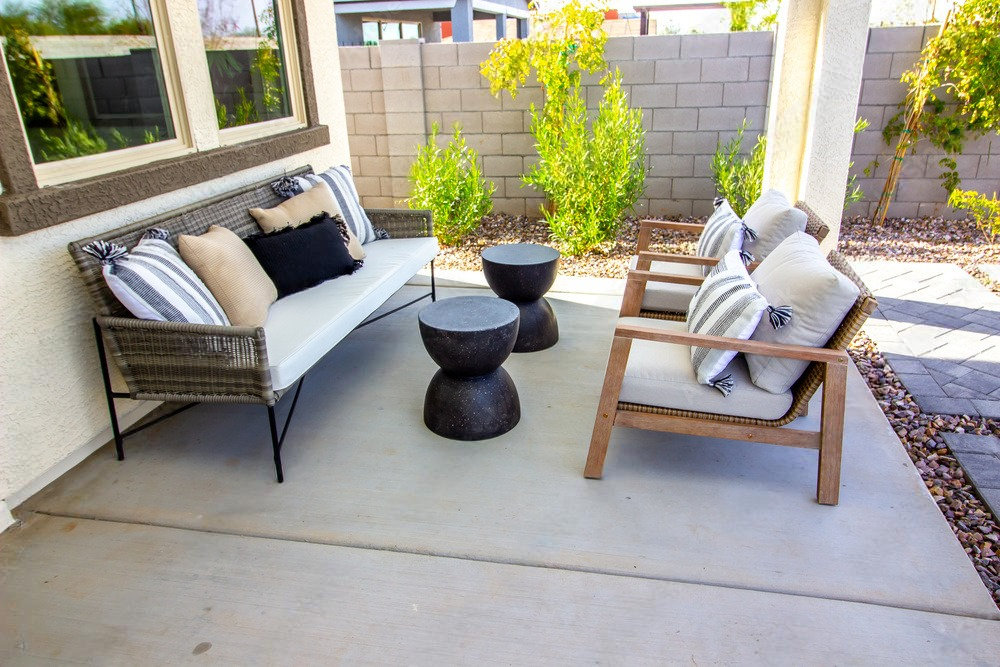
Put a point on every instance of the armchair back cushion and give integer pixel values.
(774, 219)
(797, 274)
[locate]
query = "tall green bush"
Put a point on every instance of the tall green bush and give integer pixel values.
(739, 176)
(590, 177)
(449, 182)
(594, 174)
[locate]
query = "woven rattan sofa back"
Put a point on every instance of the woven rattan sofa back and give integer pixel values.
(229, 210)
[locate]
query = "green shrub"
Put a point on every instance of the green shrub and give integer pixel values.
(739, 177)
(982, 209)
(592, 177)
(450, 184)
(75, 140)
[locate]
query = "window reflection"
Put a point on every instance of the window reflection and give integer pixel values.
(86, 75)
(246, 60)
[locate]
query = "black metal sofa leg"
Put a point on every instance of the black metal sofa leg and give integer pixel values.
(276, 440)
(109, 394)
(433, 286)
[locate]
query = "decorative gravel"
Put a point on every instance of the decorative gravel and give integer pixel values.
(904, 240)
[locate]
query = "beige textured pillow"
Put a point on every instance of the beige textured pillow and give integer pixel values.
(301, 208)
(225, 264)
(797, 274)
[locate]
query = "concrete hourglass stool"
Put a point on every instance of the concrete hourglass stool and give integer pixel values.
(471, 397)
(522, 273)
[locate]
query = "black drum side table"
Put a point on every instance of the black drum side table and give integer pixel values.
(471, 397)
(522, 273)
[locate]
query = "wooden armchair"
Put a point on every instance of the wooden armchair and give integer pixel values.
(753, 415)
(673, 278)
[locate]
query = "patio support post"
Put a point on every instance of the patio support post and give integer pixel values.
(461, 21)
(522, 28)
(816, 80)
(501, 26)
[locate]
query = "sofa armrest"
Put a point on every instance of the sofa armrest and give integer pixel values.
(402, 223)
(177, 361)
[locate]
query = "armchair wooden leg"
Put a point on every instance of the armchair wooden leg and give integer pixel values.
(606, 408)
(832, 432)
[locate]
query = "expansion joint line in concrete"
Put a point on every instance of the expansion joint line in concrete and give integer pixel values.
(513, 562)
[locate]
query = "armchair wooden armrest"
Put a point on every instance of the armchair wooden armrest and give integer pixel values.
(646, 228)
(801, 352)
(635, 287)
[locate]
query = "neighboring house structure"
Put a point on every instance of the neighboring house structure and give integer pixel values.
(365, 21)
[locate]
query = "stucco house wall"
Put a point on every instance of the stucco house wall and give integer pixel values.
(53, 413)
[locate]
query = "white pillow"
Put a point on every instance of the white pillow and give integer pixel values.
(773, 219)
(154, 283)
(726, 304)
(796, 273)
(723, 232)
(341, 183)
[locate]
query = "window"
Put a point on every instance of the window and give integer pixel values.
(87, 80)
(375, 31)
(100, 87)
(246, 60)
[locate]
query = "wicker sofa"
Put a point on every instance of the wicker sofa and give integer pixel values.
(193, 363)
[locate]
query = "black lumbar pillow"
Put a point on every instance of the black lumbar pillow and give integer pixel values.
(297, 258)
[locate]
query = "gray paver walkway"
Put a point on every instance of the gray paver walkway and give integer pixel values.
(939, 329)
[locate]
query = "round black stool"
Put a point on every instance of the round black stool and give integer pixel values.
(522, 273)
(471, 397)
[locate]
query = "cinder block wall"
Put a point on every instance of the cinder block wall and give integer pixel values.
(695, 90)
(891, 52)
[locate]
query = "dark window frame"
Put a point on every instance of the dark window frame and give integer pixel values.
(26, 207)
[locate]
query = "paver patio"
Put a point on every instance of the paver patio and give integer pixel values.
(939, 329)
(387, 543)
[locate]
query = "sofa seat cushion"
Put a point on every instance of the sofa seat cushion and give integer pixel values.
(669, 297)
(303, 327)
(661, 374)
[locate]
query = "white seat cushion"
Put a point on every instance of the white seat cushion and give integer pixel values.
(669, 297)
(661, 374)
(303, 327)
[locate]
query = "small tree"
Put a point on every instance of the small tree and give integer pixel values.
(954, 92)
(752, 14)
(566, 41)
(450, 184)
(592, 172)
(591, 175)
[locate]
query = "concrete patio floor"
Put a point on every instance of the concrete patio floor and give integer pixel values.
(388, 544)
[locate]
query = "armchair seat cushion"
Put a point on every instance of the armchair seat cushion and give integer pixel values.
(669, 297)
(661, 375)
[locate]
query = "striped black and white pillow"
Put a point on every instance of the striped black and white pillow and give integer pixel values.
(342, 184)
(723, 232)
(727, 304)
(154, 283)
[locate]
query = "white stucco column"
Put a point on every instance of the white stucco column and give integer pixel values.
(818, 61)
